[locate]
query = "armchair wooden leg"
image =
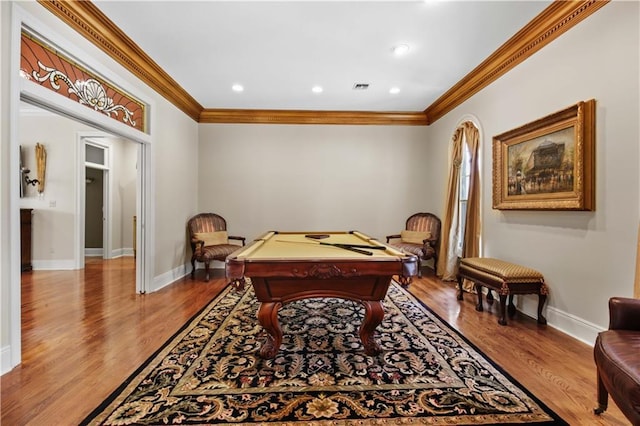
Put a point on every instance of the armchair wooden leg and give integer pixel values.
(193, 267)
(603, 397)
(478, 289)
(206, 269)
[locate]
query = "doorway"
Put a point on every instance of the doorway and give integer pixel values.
(21, 90)
(107, 197)
(95, 221)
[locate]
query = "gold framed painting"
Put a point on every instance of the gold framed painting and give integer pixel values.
(548, 164)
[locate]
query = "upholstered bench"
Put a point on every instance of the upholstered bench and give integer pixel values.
(507, 279)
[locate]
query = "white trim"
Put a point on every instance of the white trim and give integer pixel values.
(107, 184)
(81, 175)
(93, 252)
(15, 332)
(569, 324)
(122, 252)
(171, 276)
(53, 265)
(20, 89)
(98, 252)
(5, 359)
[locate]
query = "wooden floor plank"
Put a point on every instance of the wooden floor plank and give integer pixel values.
(84, 332)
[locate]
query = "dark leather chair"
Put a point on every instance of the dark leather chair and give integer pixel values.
(209, 240)
(426, 248)
(617, 356)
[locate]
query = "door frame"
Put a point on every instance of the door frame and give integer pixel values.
(94, 139)
(20, 89)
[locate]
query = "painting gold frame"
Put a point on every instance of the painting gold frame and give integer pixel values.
(548, 164)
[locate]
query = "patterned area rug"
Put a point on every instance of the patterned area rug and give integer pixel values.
(427, 373)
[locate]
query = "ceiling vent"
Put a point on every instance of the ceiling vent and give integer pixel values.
(361, 86)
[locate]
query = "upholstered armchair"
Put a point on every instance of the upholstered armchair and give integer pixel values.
(421, 237)
(209, 240)
(617, 356)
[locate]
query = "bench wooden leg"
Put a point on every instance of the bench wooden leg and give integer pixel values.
(503, 311)
(206, 271)
(511, 309)
(541, 299)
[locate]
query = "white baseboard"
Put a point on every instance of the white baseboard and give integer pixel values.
(122, 252)
(53, 265)
(180, 272)
(569, 324)
(170, 277)
(93, 252)
(5, 360)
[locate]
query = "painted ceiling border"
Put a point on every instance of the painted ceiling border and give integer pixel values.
(274, 116)
(88, 20)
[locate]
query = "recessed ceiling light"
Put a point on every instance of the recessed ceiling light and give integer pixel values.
(400, 49)
(237, 88)
(316, 89)
(394, 90)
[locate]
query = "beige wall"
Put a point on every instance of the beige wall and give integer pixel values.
(296, 177)
(176, 189)
(586, 257)
(54, 213)
(124, 191)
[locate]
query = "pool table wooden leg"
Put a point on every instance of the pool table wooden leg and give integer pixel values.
(268, 319)
(373, 314)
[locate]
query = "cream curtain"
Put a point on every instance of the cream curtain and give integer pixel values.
(473, 226)
(447, 259)
(467, 133)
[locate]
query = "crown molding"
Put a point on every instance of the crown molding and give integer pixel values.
(272, 116)
(88, 20)
(552, 22)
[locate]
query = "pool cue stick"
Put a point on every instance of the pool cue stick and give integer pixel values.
(357, 250)
(364, 246)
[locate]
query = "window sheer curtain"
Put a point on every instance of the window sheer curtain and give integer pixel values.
(467, 133)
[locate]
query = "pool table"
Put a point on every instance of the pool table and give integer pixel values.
(288, 266)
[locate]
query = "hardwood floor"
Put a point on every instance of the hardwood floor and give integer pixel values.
(84, 332)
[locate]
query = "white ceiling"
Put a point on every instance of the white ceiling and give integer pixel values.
(279, 50)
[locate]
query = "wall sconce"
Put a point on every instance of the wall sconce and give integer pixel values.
(25, 174)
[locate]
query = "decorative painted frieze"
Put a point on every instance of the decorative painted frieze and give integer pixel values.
(46, 66)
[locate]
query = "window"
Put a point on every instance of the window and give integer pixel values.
(463, 196)
(94, 154)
